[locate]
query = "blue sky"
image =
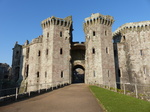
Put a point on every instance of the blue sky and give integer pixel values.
(20, 19)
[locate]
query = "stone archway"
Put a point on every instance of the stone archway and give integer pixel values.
(78, 72)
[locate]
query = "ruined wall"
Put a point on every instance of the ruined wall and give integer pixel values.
(5, 71)
(133, 52)
(99, 61)
(16, 62)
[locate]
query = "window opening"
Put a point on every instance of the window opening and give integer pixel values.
(38, 74)
(141, 52)
(124, 38)
(61, 51)
(47, 34)
(105, 33)
(93, 33)
(94, 73)
(62, 75)
(93, 50)
(46, 51)
(61, 34)
(27, 71)
(17, 52)
(45, 74)
(107, 50)
(39, 53)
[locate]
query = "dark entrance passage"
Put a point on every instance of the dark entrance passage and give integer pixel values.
(78, 74)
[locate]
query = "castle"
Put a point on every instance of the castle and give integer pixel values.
(54, 58)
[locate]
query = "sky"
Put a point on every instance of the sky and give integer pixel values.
(20, 19)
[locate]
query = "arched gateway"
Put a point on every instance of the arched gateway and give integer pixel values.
(78, 74)
(78, 62)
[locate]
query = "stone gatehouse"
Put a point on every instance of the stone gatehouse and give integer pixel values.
(54, 58)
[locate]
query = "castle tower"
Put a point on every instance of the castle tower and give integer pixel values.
(99, 58)
(46, 60)
(57, 40)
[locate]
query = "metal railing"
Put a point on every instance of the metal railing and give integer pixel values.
(27, 90)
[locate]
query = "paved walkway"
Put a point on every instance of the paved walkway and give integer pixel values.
(72, 98)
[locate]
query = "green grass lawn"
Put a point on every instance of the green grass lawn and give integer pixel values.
(115, 102)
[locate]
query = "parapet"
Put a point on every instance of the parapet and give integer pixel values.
(66, 22)
(100, 19)
(134, 26)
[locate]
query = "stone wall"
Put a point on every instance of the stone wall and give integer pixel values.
(5, 71)
(132, 43)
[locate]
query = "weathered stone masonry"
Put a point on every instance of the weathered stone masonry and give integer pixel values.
(47, 58)
(99, 62)
(52, 57)
(132, 48)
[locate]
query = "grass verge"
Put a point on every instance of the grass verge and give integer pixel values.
(115, 102)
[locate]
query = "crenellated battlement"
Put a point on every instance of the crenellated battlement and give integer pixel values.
(99, 19)
(66, 22)
(136, 26)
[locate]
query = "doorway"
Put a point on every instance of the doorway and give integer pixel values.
(78, 74)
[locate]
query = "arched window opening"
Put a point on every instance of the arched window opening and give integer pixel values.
(78, 72)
